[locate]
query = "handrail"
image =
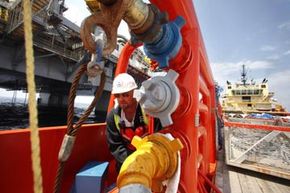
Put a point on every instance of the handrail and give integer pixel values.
(192, 64)
(255, 143)
(256, 126)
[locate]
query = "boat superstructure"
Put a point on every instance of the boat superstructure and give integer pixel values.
(250, 97)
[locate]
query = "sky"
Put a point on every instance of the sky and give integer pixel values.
(236, 32)
(251, 32)
(79, 6)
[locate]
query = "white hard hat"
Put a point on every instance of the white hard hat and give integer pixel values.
(123, 83)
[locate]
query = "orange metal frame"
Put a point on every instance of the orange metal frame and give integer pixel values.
(15, 162)
(197, 135)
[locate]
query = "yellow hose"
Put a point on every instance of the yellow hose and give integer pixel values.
(154, 161)
(33, 121)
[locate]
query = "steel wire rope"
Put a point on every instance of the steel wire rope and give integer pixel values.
(71, 128)
(33, 121)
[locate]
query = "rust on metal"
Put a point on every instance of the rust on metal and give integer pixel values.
(108, 18)
(144, 21)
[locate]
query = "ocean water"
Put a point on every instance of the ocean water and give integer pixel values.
(15, 115)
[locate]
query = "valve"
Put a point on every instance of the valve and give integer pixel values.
(169, 43)
(159, 96)
(155, 160)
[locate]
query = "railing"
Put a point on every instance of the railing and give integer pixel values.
(257, 146)
(51, 45)
(50, 42)
(207, 126)
(16, 14)
(194, 119)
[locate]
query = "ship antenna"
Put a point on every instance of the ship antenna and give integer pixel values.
(244, 75)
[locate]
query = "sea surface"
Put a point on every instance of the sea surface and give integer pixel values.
(15, 115)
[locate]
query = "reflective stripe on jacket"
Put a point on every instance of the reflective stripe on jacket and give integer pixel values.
(129, 132)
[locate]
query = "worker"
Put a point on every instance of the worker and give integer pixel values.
(126, 120)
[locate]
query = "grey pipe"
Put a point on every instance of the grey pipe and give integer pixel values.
(134, 188)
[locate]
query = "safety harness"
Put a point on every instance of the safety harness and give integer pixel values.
(129, 132)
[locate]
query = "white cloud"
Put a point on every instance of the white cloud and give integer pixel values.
(287, 41)
(259, 64)
(273, 57)
(287, 52)
(77, 11)
(267, 48)
(228, 68)
(285, 25)
(79, 7)
(278, 56)
(279, 83)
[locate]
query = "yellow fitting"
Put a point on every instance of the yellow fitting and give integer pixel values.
(154, 161)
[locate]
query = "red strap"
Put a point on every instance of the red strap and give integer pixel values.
(128, 132)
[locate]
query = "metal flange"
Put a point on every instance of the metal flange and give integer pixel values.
(159, 96)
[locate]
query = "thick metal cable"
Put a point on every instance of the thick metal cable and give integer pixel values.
(72, 129)
(33, 121)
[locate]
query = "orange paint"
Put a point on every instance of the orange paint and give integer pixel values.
(15, 162)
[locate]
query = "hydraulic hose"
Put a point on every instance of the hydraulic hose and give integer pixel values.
(154, 161)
